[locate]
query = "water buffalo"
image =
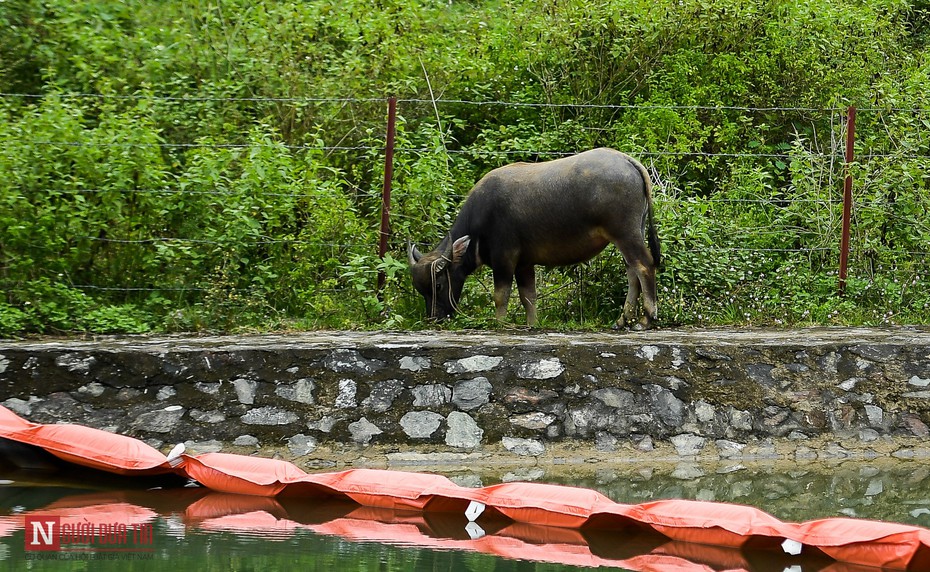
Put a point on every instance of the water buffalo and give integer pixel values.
(554, 213)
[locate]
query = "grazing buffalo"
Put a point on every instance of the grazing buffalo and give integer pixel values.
(554, 213)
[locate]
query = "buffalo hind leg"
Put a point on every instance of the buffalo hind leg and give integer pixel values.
(631, 305)
(526, 285)
(647, 279)
(641, 274)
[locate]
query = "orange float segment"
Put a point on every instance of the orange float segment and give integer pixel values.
(11, 422)
(738, 519)
(383, 482)
(874, 543)
(99, 449)
(712, 535)
(85, 446)
(550, 505)
(257, 470)
(838, 531)
(392, 489)
(721, 524)
(240, 474)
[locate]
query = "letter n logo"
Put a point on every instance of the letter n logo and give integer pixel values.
(43, 533)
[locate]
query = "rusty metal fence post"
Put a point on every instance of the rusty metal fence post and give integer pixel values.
(386, 190)
(847, 197)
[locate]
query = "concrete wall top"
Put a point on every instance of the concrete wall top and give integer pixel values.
(726, 393)
(807, 337)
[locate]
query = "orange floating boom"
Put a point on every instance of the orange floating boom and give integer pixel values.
(854, 541)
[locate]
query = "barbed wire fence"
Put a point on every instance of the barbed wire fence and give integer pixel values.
(349, 133)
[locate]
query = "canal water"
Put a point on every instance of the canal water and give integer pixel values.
(128, 525)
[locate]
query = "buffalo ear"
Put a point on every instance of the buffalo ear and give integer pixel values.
(459, 247)
(413, 255)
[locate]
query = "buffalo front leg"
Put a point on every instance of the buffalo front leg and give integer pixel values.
(526, 285)
(503, 283)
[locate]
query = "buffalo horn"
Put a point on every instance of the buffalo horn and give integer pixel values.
(413, 255)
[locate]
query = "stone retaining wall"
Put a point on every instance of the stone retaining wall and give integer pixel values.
(680, 393)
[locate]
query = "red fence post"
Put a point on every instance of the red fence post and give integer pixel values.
(386, 191)
(847, 197)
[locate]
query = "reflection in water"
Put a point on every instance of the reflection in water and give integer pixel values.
(194, 527)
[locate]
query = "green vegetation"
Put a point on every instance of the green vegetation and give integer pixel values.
(217, 165)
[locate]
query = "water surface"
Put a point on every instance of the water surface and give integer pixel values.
(190, 528)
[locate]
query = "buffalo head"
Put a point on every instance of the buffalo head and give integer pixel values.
(438, 275)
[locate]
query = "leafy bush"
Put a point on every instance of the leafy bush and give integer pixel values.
(199, 165)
